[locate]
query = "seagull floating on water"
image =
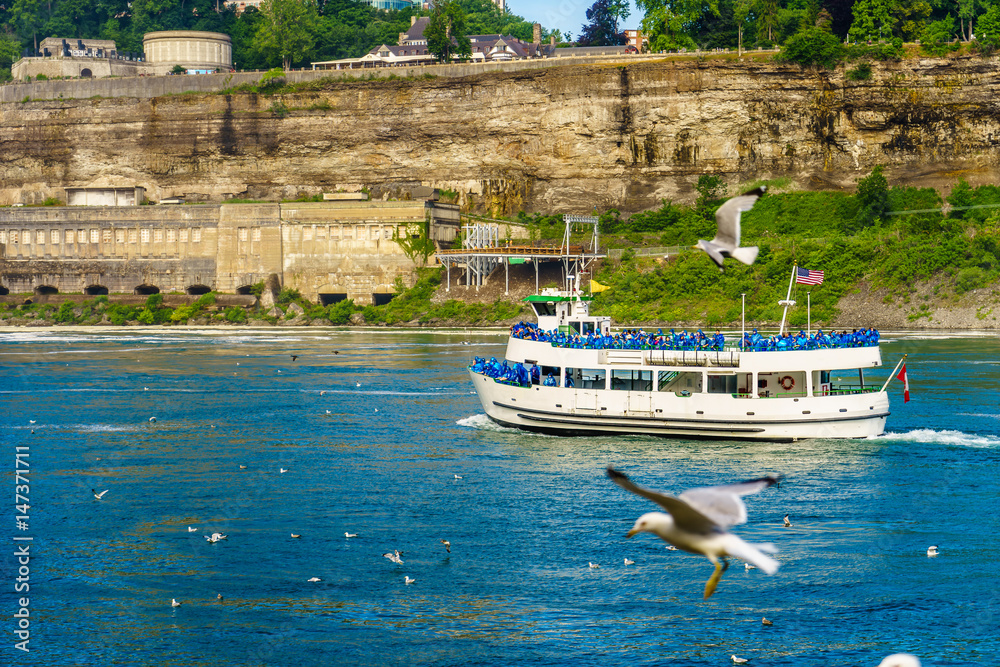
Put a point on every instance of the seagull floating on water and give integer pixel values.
(764, 621)
(282, 469)
(31, 421)
(738, 661)
(295, 536)
(357, 384)
(314, 579)
(447, 545)
(788, 524)
(192, 529)
(749, 567)
(932, 551)
(174, 602)
(594, 566)
(349, 535)
(243, 467)
(458, 477)
(727, 236)
(219, 597)
(629, 562)
(698, 519)
(408, 580)
(100, 495)
(900, 660)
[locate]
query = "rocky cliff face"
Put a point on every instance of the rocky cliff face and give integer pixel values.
(558, 139)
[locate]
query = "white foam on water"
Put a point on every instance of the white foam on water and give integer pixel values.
(947, 437)
(481, 422)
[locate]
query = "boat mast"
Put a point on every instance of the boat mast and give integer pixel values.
(787, 302)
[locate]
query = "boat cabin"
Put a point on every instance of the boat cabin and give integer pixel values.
(568, 314)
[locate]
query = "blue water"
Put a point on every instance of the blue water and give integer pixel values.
(524, 520)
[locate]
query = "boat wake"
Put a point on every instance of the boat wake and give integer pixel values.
(945, 437)
(481, 422)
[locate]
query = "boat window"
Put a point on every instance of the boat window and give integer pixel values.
(677, 381)
(554, 371)
(590, 378)
(722, 384)
(632, 380)
(545, 309)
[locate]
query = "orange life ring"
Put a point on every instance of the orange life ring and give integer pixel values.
(787, 382)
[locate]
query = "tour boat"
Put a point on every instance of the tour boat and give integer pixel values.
(583, 384)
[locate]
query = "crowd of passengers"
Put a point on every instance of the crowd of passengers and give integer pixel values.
(637, 339)
(517, 375)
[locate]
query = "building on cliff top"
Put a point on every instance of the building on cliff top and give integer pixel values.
(412, 49)
(197, 52)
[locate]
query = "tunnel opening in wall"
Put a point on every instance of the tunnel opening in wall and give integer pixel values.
(4, 291)
(328, 298)
(198, 289)
(95, 290)
(146, 289)
(244, 289)
(382, 298)
(46, 289)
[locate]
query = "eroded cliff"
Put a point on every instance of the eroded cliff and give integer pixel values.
(563, 138)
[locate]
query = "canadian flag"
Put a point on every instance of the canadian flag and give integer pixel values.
(906, 384)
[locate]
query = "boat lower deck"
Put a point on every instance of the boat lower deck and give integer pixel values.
(569, 411)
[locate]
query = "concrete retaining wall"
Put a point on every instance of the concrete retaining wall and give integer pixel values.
(158, 86)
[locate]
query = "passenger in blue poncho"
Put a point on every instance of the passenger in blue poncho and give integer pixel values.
(536, 374)
(549, 381)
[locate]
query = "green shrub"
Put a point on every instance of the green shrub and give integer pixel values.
(862, 72)
(969, 279)
(236, 315)
(65, 315)
(287, 295)
(146, 316)
(937, 38)
(812, 46)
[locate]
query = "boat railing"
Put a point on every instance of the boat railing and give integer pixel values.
(727, 359)
(840, 390)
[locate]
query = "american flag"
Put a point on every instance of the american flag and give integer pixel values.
(807, 277)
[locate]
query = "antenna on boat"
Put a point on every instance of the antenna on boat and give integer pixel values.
(787, 301)
(743, 332)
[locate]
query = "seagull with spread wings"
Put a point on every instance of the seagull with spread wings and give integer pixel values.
(727, 235)
(697, 521)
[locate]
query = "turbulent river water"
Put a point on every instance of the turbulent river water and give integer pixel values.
(380, 436)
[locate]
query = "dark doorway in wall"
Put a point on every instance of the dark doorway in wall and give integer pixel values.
(146, 289)
(380, 299)
(95, 289)
(4, 291)
(46, 289)
(85, 73)
(327, 299)
(198, 289)
(244, 290)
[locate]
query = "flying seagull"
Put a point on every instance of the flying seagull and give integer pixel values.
(697, 522)
(294, 357)
(788, 524)
(100, 495)
(394, 556)
(727, 236)
(447, 545)
(192, 529)
(215, 537)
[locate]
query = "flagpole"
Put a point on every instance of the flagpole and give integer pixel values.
(786, 302)
(892, 374)
(743, 332)
(809, 330)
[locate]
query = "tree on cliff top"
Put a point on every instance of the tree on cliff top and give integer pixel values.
(446, 32)
(602, 30)
(285, 29)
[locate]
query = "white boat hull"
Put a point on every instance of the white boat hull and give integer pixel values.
(569, 411)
